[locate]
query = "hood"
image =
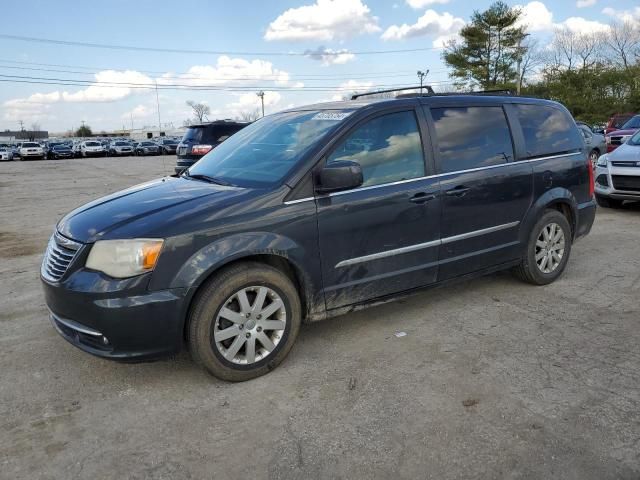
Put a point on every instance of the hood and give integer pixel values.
(625, 152)
(100, 217)
(617, 133)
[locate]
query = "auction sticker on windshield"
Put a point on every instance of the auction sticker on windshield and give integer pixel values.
(337, 116)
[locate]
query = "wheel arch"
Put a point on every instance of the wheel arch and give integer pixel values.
(210, 262)
(559, 199)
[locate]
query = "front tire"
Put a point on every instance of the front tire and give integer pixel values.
(548, 250)
(608, 202)
(244, 321)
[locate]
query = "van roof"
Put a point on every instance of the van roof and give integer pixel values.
(431, 99)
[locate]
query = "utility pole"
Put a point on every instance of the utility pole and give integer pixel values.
(261, 95)
(131, 120)
(21, 125)
(158, 105)
(421, 77)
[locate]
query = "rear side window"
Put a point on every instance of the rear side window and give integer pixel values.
(472, 137)
(220, 133)
(388, 148)
(547, 130)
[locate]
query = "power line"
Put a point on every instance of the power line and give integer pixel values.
(26, 80)
(203, 52)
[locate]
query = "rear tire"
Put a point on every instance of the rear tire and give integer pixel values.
(608, 202)
(593, 157)
(239, 344)
(548, 250)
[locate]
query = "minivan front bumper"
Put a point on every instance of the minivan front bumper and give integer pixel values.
(116, 319)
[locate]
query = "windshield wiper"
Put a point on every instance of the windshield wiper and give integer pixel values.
(207, 178)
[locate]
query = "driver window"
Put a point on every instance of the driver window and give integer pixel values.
(388, 148)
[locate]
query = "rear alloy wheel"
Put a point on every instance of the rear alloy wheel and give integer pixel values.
(244, 321)
(548, 249)
(593, 157)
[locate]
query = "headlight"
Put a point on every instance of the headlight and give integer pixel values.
(602, 160)
(124, 258)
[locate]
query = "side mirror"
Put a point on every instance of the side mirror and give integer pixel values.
(336, 176)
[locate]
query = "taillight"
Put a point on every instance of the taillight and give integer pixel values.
(200, 149)
(591, 179)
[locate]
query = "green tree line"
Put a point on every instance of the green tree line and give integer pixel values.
(593, 74)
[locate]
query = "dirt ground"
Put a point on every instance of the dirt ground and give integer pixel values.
(494, 378)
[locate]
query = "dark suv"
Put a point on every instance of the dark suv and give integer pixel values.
(314, 212)
(201, 139)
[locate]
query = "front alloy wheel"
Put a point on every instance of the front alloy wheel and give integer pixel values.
(250, 325)
(244, 321)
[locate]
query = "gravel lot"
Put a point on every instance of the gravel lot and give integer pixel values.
(494, 379)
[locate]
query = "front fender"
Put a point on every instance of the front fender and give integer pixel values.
(550, 197)
(225, 250)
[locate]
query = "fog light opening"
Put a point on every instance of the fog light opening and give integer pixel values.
(105, 340)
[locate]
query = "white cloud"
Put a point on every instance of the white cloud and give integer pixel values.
(349, 87)
(442, 26)
(140, 111)
(585, 3)
(630, 16)
(329, 56)
(581, 25)
(119, 89)
(226, 70)
(324, 20)
(420, 4)
(537, 18)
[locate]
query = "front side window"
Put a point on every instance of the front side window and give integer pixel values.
(388, 148)
(547, 130)
(471, 137)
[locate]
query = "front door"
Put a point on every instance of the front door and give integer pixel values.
(485, 194)
(383, 237)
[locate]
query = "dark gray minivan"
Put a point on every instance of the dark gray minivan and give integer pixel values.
(317, 211)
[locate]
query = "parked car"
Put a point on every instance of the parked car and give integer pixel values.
(616, 121)
(317, 211)
(595, 142)
(120, 147)
(201, 139)
(60, 151)
(91, 148)
(167, 146)
(15, 150)
(618, 174)
(31, 150)
(147, 148)
(8, 149)
(618, 137)
(5, 154)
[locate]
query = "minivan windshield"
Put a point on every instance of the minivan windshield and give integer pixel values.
(263, 153)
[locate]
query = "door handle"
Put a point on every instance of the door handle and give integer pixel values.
(422, 197)
(459, 191)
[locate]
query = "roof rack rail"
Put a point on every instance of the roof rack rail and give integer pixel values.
(428, 89)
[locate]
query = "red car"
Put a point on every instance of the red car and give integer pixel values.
(616, 138)
(616, 122)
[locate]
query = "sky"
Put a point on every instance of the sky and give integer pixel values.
(296, 51)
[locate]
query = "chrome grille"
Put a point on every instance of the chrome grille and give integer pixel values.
(60, 253)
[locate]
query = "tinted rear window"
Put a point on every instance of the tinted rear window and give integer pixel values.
(472, 137)
(30, 145)
(547, 130)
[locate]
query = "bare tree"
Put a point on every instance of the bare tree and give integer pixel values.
(35, 127)
(532, 59)
(249, 116)
(563, 48)
(624, 43)
(588, 48)
(200, 110)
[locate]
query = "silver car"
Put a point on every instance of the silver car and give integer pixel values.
(618, 174)
(595, 142)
